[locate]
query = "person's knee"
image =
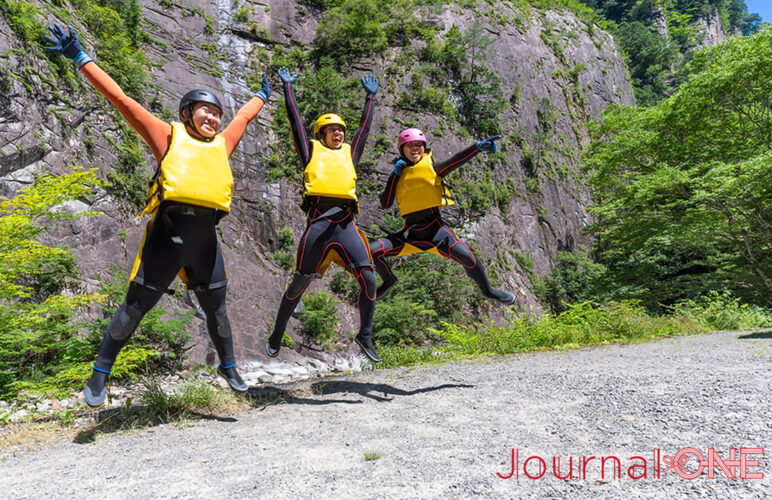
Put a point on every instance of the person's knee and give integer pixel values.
(376, 248)
(298, 285)
(124, 322)
(463, 255)
(367, 281)
(222, 323)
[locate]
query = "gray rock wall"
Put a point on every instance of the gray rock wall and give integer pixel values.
(41, 128)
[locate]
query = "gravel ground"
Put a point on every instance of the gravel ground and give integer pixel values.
(446, 431)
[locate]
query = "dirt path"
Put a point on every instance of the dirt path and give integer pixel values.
(446, 431)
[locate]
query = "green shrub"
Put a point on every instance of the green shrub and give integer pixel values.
(581, 324)
(39, 335)
(318, 317)
(431, 290)
(285, 256)
(722, 311)
(354, 29)
(345, 285)
(400, 321)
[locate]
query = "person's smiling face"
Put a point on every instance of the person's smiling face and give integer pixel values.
(413, 150)
(333, 135)
(206, 118)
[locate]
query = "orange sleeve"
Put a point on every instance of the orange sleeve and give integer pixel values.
(156, 132)
(238, 125)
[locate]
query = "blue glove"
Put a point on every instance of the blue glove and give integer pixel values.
(265, 90)
(370, 83)
(488, 145)
(398, 166)
(286, 76)
(67, 44)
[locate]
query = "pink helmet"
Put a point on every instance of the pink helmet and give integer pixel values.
(410, 135)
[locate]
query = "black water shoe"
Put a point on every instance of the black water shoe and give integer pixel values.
(506, 298)
(273, 346)
(366, 343)
(234, 379)
(96, 389)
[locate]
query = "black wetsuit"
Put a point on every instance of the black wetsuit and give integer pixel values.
(426, 231)
(330, 227)
(160, 261)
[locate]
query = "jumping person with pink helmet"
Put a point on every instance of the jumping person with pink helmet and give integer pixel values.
(417, 185)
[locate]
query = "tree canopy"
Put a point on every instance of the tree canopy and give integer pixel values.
(682, 188)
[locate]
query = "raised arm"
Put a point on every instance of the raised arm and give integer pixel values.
(236, 128)
(463, 156)
(390, 191)
(293, 114)
(370, 84)
(154, 131)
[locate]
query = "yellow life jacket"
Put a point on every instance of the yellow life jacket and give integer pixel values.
(193, 172)
(331, 173)
(419, 187)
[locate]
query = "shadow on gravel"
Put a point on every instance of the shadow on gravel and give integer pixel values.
(260, 397)
(371, 390)
(135, 416)
(757, 335)
(265, 396)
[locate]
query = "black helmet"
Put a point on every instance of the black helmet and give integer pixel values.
(198, 95)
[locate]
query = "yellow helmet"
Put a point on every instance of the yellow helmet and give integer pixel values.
(328, 119)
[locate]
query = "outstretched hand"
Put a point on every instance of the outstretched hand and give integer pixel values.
(286, 76)
(370, 83)
(398, 166)
(66, 44)
(489, 145)
(265, 90)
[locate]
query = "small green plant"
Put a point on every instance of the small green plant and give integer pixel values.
(345, 285)
(372, 455)
(241, 16)
(722, 311)
(318, 316)
(193, 398)
(285, 257)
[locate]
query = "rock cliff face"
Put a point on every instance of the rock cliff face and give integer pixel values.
(552, 64)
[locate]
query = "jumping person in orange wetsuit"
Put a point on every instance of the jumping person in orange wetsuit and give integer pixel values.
(417, 185)
(330, 202)
(190, 193)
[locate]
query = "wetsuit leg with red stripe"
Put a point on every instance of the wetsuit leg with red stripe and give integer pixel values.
(388, 246)
(322, 235)
(438, 234)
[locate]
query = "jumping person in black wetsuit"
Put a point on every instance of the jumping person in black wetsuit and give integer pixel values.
(190, 194)
(417, 185)
(330, 202)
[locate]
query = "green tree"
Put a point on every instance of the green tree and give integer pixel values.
(682, 188)
(654, 61)
(36, 310)
(352, 30)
